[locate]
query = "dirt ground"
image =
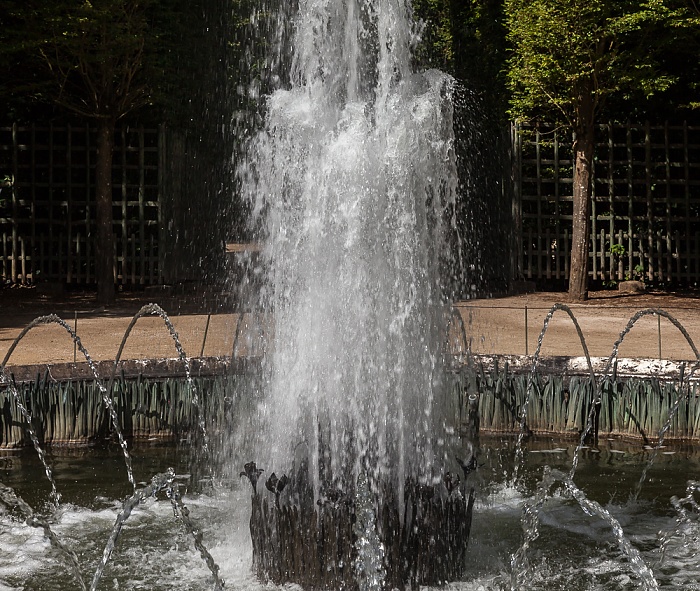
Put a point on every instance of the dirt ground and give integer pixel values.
(497, 325)
(512, 325)
(194, 315)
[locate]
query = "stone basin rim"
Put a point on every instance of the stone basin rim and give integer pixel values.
(560, 365)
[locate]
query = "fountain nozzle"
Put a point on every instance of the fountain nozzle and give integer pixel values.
(252, 472)
(469, 466)
(276, 485)
(451, 481)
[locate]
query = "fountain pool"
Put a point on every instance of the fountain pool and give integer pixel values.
(573, 552)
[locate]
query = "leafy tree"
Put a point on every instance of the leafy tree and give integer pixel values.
(478, 34)
(436, 47)
(568, 57)
(677, 50)
(96, 59)
(466, 38)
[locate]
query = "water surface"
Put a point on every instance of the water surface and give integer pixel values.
(573, 552)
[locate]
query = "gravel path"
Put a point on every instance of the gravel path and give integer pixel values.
(512, 325)
(493, 325)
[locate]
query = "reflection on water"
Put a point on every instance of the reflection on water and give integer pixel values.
(573, 552)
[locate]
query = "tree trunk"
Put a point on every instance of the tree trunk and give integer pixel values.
(580, 237)
(104, 263)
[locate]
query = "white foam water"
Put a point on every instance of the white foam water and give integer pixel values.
(154, 552)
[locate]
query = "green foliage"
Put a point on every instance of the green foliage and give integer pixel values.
(465, 38)
(253, 69)
(100, 59)
(637, 273)
(565, 51)
(92, 55)
(436, 47)
(480, 44)
(151, 52)
(628, 407)
(617, 250)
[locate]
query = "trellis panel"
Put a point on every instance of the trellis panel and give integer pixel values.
(645, 200)
(47, 205)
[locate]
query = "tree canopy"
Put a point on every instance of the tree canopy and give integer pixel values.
(98, 60)
(569, 57)
(561, 50)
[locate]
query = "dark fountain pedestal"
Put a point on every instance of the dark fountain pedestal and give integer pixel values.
(424, 535)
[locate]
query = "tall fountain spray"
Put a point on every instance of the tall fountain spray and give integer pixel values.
(352, 181)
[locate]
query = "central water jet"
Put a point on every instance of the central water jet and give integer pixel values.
(352, 183)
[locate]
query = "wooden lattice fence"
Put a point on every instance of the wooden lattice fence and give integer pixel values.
(47, 205)
(645, 218)
(645, 209)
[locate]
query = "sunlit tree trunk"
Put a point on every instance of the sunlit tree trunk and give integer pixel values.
(580, 238)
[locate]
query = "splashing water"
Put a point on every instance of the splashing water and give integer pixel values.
(688, 514)
(158, 482)
(606, 371)
(352, 180)
(520, 568)
(10, 500)
(107, 401)
(155, 309)
(165, 481)
(369, 569)
(533, 373)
